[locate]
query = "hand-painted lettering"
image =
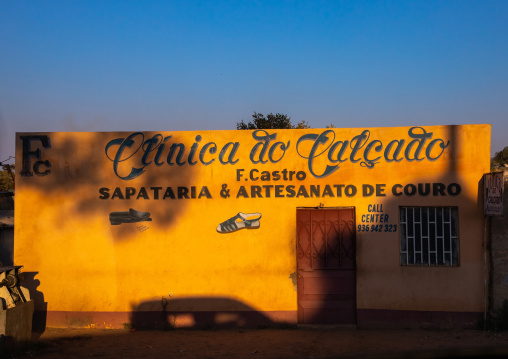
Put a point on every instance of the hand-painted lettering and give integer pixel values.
(362, 149)
(131, 155)
(27, 153)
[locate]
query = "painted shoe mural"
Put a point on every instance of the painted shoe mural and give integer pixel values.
(240, 221)
(131, 216)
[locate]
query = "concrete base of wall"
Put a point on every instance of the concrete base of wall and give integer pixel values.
(396, 319)
(168, 320)
(366, 319)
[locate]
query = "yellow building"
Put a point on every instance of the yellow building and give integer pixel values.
(362, 226)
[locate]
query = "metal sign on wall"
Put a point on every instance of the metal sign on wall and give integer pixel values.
(493, 188)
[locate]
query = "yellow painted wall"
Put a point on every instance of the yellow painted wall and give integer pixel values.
(62, 228)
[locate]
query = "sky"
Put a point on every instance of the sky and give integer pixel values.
(206, 65)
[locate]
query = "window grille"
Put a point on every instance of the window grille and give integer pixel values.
(428, 236)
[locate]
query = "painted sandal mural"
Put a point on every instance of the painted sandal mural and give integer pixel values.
(240, 221)
(131, 216)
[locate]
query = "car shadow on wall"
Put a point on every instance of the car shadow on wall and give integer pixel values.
(198, 313)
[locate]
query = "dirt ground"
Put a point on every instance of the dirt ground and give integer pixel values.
(264, 343)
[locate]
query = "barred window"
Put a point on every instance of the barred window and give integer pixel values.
(428, 236)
